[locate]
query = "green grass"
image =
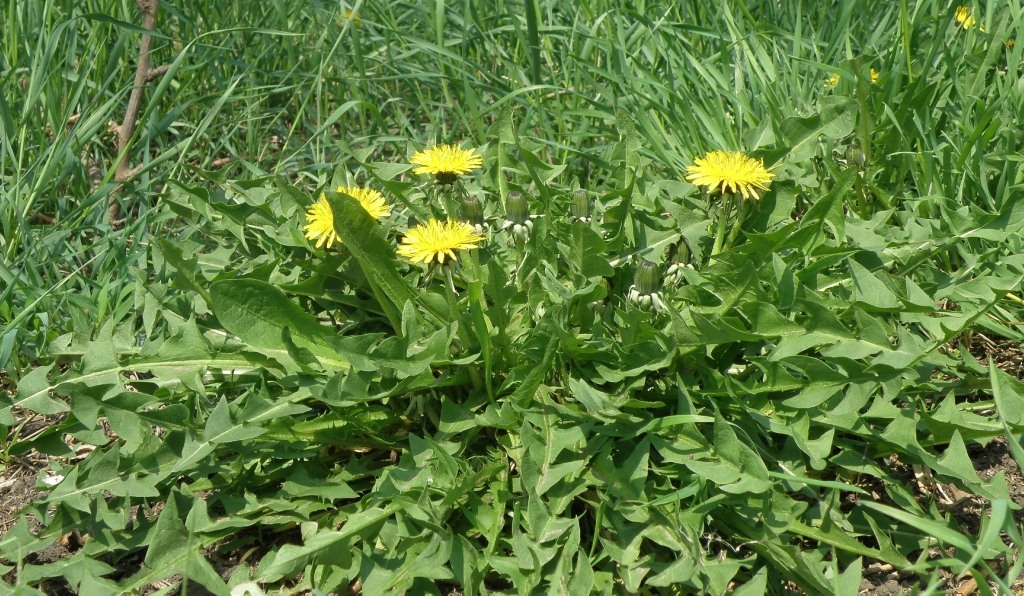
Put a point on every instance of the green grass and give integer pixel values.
(344, 418)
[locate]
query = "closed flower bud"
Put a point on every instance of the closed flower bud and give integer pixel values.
(674, 275)
(855, 156)
(517, 210)
(644, 291)
(647, 278)
(472, 212)
(580, 207)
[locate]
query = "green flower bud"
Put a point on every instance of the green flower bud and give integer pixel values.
(580, 207)
(675, 273)
(647, 278)
(855, 156)
(471, 211)
(517, 209)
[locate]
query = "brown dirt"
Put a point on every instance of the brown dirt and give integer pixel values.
(988, 460)
(17, 489)
(1005, 353)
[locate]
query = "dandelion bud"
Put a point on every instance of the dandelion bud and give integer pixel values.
(580, 207)
(472, 212)
(675, 275)
(646, 278)
(522, 231)
(644, 291)
(517, 218)
(855, 156)
(517, 210)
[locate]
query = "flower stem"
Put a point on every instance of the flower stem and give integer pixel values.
(725, 207)
(741, 214)
(450, 206)
(577, 246)
(521, 259)
(474, 373)
(476, 308)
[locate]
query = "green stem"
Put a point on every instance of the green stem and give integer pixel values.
(500, 311)
(598, 521)
(577, 246)
(741, 214)
(450, 206)
(725, 206)
(476, 307)
(521, 260)
(474, 373)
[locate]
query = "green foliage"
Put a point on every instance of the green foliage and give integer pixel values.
(523, 419)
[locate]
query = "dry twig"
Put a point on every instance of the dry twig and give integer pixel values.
(125, 130)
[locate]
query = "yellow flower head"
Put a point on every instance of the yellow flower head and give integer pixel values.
(320, 218)
(730, 171)
(446, 162)
(964, 18)
(874, 76)
(832, 81)
(347, 15)
(433, 240)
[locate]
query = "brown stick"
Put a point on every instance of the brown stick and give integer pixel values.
(43, 218)
(124, 131)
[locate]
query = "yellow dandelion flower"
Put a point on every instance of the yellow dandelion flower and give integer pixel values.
(320, 217)
(446, 162)
(435, 239)
(874, 76)
(347, 15)
(964, 18)
(832, 81)
(730, 171)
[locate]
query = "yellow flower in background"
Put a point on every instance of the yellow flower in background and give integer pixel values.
(436, 239)
(446, 162)
(730, 171)
(832, 80)
(347, 15)
(964, 18)
(874, 76)
(320, 217)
